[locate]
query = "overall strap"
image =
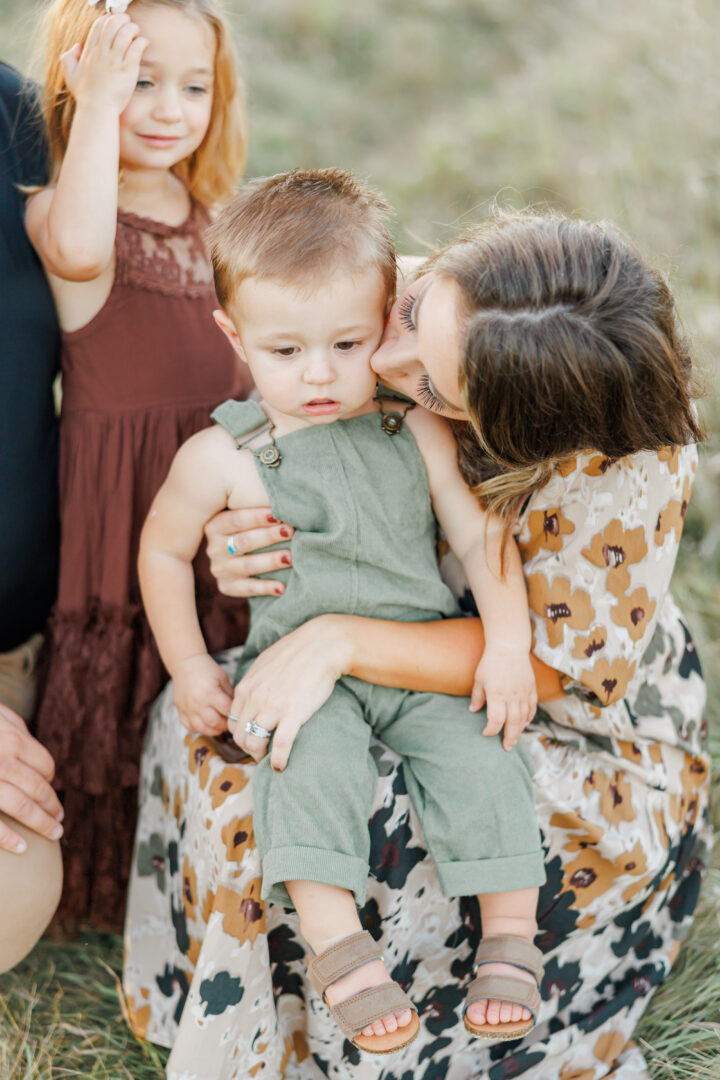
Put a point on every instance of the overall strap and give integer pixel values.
(246, 422)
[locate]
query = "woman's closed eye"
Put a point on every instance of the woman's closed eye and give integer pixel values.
(405, 309)
(428, 397)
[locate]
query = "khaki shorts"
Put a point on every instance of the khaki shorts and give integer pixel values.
(17, 677)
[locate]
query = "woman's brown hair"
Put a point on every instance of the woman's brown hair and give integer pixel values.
(214, 169)
(570, 343)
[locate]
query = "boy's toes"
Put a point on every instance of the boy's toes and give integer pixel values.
(506, 1012)
(379, 1027)
(477, 1012)
(493, 1012)
(390, 1023)
(404, 1017)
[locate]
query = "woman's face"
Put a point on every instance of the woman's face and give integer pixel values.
(420, 350)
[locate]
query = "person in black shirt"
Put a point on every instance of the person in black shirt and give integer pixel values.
(30, 865)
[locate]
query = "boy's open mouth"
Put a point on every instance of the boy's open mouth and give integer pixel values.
(320, 406)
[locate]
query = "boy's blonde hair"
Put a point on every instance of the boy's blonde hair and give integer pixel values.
(211, 172)
(298, 227)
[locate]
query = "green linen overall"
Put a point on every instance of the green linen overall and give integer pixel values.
(365, 544)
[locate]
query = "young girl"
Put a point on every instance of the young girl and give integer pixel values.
(147, 131)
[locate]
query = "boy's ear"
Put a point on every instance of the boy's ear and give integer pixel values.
(227, 326)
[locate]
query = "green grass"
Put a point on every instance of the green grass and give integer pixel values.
(606, 109)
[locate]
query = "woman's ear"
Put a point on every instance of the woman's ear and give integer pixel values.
(227, 326)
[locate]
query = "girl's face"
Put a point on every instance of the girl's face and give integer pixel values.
(169, 113)
(420, 350)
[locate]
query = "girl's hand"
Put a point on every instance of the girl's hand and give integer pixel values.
(26, 772)
(202, 694)
(248, 530)
(104, 73)
(504, 680)
(287, 684)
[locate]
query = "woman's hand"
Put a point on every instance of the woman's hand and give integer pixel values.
(202, 694)
(287, 684)
(505, 682)
(26, 772)
(246, 531)
(104, 73)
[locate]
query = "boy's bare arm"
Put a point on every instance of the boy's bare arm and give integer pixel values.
(197, 487)
(504, 675)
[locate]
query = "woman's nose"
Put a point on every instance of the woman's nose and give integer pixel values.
(393, 356)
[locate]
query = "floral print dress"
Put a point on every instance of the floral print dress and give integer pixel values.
(621, 782)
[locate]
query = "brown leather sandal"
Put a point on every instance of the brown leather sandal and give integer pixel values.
(362, 1009)
(520, 953)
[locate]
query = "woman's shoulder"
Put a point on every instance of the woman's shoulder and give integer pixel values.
(593, 478)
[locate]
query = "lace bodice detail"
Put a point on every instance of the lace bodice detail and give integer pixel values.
(171, 259)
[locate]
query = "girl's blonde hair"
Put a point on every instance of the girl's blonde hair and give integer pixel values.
(212, 171)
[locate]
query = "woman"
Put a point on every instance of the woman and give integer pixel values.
(555, 349)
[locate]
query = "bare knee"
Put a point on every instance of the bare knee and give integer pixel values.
(31, 887)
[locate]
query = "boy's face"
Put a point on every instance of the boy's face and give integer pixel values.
(309, 352)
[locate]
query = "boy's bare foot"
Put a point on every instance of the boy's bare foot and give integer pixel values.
(363, 978)
(499, 1012)
(508, 913)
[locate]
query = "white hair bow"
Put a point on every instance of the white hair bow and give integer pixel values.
(113, 7)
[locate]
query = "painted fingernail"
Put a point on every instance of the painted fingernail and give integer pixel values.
(56, 833)
(286, 560)
(276, 768)
(284, 531)
(279, 590)
(271, 519)
(21, 847)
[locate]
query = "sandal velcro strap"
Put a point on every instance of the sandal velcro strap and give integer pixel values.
(509, 949)
(363, 1009)
(504, 988)
(350, 953)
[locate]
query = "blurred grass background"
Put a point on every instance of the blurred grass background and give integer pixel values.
(607, 109)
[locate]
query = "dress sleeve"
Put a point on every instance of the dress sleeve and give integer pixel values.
(599, 544)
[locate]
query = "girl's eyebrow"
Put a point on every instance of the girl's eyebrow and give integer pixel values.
(150, 63)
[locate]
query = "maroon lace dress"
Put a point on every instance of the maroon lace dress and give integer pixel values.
(138, 380)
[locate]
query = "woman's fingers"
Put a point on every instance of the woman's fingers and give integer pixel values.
(19, 805)
(283, 740)
(17, 774)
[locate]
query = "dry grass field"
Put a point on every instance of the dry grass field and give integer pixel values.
(607, 109)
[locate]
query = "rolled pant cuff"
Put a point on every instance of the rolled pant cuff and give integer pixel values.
(311, 864)
(492, 875)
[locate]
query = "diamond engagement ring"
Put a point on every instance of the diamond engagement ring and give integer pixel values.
(231, 545)
(257, 729)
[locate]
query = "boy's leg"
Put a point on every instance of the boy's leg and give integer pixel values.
(475, 800)
(311, 827)
(476, 807)
(327, 915)
(311, 819)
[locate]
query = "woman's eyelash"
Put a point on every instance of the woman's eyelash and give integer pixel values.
(428, 398)
(405, 308)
